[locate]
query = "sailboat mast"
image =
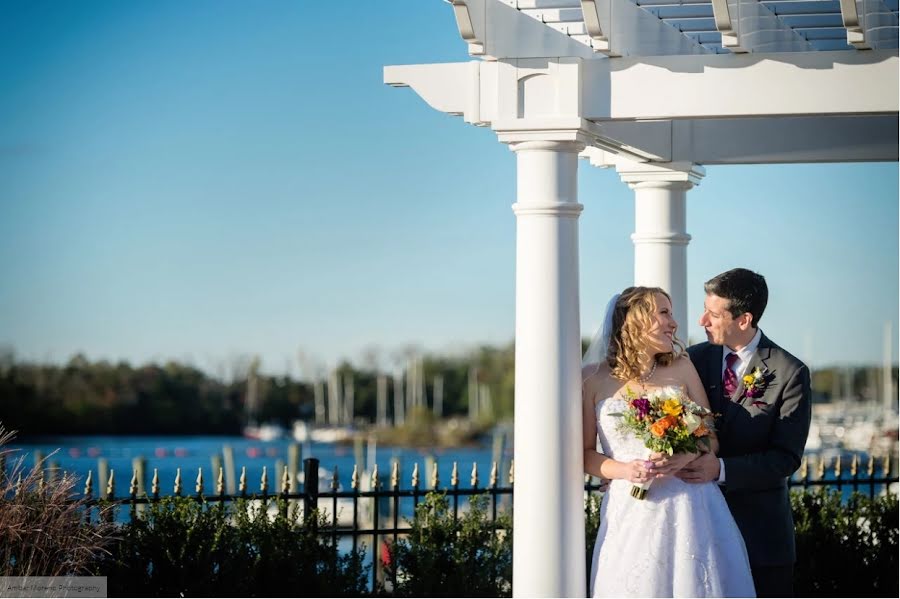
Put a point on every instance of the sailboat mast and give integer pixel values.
(887, 378)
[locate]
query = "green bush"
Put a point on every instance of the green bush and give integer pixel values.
(443, 556)
(182, 547)
(845, 549)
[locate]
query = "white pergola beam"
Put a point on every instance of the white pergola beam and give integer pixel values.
(541, 4)
(858, 138)
(494, 29)
(553, 15)
(661, 87)
(749, 26)
(621, 28)
(882, 29)
(831, 106)
(772, 140)
(870, 24)
(730, 85)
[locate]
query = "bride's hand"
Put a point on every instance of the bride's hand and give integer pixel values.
(667, 465)
(636, 471)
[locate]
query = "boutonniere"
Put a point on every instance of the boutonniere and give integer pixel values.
(755, 384)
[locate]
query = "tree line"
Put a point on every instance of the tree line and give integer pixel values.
(83, 397)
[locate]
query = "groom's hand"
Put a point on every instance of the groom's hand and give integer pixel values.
(702, 470)
(666, 465)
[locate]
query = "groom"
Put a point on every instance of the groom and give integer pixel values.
(762, 395)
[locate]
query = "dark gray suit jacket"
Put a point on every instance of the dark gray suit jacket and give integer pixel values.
(761, 441)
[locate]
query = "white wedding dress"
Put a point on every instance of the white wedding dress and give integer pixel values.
(680, 541)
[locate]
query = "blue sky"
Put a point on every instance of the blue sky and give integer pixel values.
(200, 180)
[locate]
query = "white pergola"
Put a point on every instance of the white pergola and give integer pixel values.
(655, 89)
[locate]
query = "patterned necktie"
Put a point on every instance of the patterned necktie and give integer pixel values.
(729, 378)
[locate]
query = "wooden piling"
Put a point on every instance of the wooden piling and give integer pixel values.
(102, 476)
(228, 464)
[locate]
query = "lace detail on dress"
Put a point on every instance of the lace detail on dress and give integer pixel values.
(619, 445)
(679, 542)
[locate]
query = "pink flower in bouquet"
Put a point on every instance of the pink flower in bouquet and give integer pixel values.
(641, 405)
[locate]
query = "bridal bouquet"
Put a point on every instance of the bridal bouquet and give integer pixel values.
(667, 422)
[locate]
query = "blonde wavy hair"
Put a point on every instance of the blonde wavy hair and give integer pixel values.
(632, 320)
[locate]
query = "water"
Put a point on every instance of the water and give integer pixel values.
(80, 454)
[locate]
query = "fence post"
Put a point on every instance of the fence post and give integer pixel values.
(139, 464)
(110, 493)
(311, 490)
(837, 472)
(377, 573)
(335, 486)
(395, 513)
(88, 492)
(293, 467)
(220, 486)
(132, 493)
(804, 472)
(285, 491)
(454, 484)
(870, 472)
(154, 485)
(354, 485)
(492, 484)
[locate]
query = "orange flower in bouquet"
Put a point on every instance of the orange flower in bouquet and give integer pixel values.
(667, 421)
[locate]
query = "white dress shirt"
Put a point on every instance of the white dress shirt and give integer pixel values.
(745, 354)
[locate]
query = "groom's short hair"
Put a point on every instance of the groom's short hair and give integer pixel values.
(745, 290)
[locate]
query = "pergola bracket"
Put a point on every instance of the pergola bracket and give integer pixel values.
(856, 32)
(472, 33)
(728, 26)
(596, 26)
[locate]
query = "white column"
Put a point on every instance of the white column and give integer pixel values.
(660, 231)
(548, 503)
(536, 106)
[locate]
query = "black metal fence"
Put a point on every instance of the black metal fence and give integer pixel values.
(374, 513)
(843, 474)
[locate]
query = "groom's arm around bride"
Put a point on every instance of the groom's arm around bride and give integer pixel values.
(762, 394)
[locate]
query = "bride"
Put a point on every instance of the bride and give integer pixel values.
(680, 541)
